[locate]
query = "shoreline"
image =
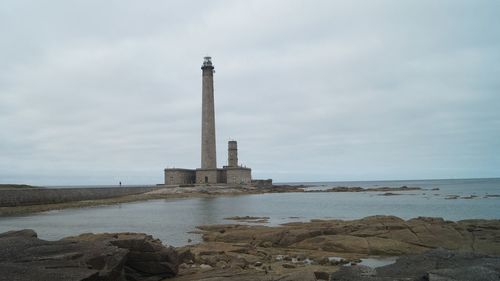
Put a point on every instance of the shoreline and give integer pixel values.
(329, 248)
(306, 251)
(178, 192)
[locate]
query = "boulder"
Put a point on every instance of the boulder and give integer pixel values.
(321, 275)
(120, 257)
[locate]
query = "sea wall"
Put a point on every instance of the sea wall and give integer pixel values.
(38, 196)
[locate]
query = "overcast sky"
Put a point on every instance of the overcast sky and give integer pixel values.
(96, 92)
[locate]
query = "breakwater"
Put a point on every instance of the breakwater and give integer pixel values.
(38, 196)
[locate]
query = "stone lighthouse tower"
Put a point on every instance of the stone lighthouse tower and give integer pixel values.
(208, 173)
(208, 152)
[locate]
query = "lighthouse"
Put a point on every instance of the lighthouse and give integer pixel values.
(208, 147)
(208, 173)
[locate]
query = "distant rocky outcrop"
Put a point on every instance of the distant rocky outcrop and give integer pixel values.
(250, 219)
(361, 189)
(89, 257)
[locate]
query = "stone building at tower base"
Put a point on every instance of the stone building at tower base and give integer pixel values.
(226, 175)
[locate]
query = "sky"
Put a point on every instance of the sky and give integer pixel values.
(97, 92)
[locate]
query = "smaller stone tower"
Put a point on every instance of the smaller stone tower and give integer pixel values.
(232, 154)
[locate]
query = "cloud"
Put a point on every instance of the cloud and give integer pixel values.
(95, 92)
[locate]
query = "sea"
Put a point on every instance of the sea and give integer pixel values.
(174, 220)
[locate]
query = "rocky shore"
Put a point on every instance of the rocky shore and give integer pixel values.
(89, 257)
(427, 249)
(314, 250)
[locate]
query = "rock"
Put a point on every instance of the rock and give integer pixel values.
(147, 257)
(211, 252)
(205, 266)
(88, 257)
(26, 257)
(240, 263)
(360, 189)
(221, 264)
(289, 265)
(463, 274)
(375, 235)
(185, 255)
(324, 261)
(358, 272)
(297, 276)
(247, 218)
(210, 260)
(321, 275)
(242, 247)
(389, 194)
(258, 263)
(27, 233)
(266, 244)
(434, 265)
(301, 258)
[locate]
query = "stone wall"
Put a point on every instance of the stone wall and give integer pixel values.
(179, 176)
(229, 175)
(38, 196)
(238, 175)
(206, 176)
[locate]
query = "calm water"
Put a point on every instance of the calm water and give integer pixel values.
(171, 220)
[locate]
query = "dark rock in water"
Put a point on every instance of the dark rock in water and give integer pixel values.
(389, 194)
(120, 257)
(434, 265)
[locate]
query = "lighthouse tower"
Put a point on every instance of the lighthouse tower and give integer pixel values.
(208, 152)
(208, 172)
